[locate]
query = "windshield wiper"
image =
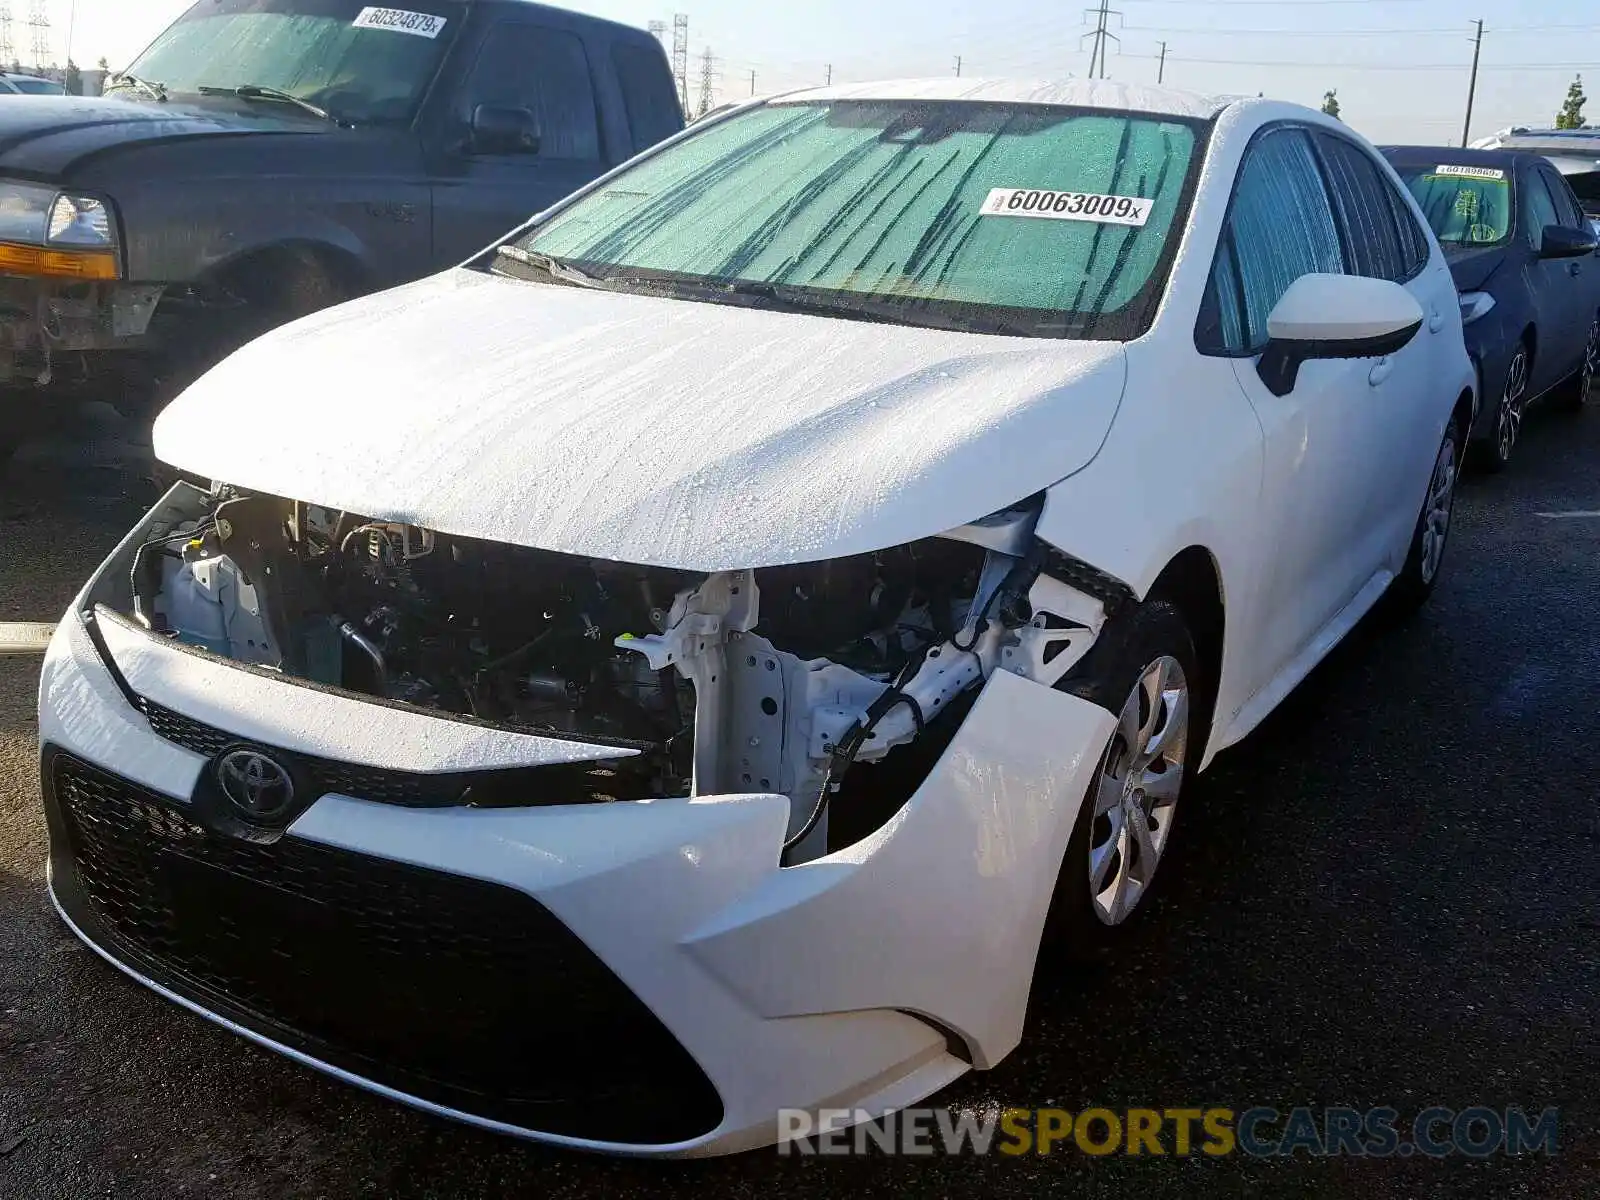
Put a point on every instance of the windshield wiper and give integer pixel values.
(254, 91)
(156, 91)
(560, 271)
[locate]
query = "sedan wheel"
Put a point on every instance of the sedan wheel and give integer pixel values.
(1136, 797)
(1576, 391)
(1412, 587)
(1513, 399)
(1437, 511)
(1143, 672)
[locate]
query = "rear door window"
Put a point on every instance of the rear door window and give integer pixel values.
(1360, 198)
(648, 96)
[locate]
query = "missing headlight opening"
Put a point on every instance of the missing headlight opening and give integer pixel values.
(837, 684)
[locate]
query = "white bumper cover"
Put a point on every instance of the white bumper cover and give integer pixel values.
(828, 984)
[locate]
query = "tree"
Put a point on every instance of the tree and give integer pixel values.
(73, 79)
(1571, 114)
(1330, 103)
(104, 64)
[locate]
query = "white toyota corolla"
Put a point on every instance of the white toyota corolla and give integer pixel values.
(667, 670)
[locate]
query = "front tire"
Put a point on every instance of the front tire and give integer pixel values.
(1502, 443)
(1145, 671)
(1417, 579)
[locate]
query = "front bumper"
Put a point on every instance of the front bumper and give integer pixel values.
(45, 321)
(639, 978)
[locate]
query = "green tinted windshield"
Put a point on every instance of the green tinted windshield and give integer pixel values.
(1467, 206)
(1043, 221)
(362, 63)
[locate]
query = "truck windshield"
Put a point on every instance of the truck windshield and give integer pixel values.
(1032, 220)
(1466, 205)
(364, 64)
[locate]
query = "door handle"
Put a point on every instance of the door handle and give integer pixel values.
(1381, 371)
(1574, 269)
(1435, 320)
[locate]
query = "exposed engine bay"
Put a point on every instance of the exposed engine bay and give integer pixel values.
(824, 682)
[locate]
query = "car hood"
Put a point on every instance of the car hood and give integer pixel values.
(45, 137)
(1472, 268)
(641, 429)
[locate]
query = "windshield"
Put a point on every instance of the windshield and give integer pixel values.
(363, 64)
(39, 87)
(1048, 222)
(1466, 205)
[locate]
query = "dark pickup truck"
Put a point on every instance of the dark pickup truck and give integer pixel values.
(266, 158)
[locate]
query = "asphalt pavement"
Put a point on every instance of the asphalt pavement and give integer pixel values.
(1387, 897)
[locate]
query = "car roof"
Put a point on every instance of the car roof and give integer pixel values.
(1456, 156)
(1068, 93)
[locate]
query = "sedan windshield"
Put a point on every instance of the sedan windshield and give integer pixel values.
(1467, 206)
(1048, 222)
(363, 64)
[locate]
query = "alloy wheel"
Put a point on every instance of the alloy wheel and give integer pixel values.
(1511, 405)
(1136, 794)
(1436, 512)
(1591, 362)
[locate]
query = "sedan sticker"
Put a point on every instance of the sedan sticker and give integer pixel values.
(1067, 206)
(1469, 172)
(398, 19)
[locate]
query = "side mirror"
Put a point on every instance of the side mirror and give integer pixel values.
(1335, 316)
(1558, 241)
(501, 130)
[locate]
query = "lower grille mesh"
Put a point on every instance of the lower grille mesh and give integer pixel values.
(460, 992)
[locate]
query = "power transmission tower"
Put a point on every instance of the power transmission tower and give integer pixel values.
(680, 57)
(1472, 85)
(1101, 35)
(708, 77)
(1161, 67)
(8, 47)
(658, 30)
(39, 24)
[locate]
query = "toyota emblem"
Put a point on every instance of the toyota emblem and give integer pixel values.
(258, 787)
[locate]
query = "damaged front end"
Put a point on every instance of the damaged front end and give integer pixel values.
(835, 684)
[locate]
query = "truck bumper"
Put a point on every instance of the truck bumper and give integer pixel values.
(46, 323)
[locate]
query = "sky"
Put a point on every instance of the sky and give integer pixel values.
(1400, 67)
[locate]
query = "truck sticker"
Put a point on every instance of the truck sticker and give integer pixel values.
(401, 21)
(1451, 169)
(1067, 206)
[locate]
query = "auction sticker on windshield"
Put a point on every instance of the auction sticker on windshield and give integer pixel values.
(1067, 206)
(1469, 172)
(398, 19)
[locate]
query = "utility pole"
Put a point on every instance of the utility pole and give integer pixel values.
(752, 83)
(1161, 67)
(708, 75)
(8, 47)
(830, 75)
(1101, 34)
(39, 24)
(958, 66)
(680, 58)
(1472, 86)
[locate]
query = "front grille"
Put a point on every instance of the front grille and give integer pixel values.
(554, 783)
(460, 992)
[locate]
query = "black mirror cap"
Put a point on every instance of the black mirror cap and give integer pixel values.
(1279, 364)
(498, 129)
(1558, 241)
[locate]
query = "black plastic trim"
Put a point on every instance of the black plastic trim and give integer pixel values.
(454, 991)
(1112, 592)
